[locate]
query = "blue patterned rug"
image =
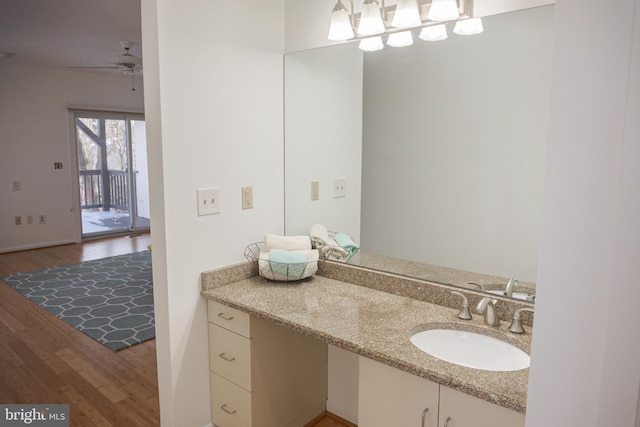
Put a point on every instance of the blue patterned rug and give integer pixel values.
(109, 299)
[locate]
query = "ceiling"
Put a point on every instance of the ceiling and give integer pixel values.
(68, 33)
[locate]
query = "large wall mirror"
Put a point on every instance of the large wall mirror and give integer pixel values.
(441, 145)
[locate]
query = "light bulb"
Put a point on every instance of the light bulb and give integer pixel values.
(400, 39)
(435, 33)
(371, 44)
(469, 27)
(340, 28)
(370, 19)
(443, 10)
(406, 15)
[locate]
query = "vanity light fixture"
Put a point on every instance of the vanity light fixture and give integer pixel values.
(376, 19)
(433, 34)
(401, 39)
(468, 27)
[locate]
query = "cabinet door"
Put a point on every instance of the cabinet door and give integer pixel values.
(468, 411)
(390, 397)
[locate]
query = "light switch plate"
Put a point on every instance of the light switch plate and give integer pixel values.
(247, 197)
(315, 190)
(208, 201)
(339, 187)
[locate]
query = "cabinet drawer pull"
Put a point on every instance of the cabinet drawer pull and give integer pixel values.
(224, 356)
(230, 412)
(424, 415)
(446, 422)
(225, 317)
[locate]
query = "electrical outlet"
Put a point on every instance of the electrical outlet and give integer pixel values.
(57, 165)
(208, 201)
(29, 219)
(247, 197)
(315, 190)
(18, 220)
(42, 219)
(16, 185)
(339, 187)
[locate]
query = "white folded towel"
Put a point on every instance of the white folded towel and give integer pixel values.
(319, 233)
(266, 270)
(327, 246)
(287, 243)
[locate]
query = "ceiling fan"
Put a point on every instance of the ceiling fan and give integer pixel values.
(126, 63)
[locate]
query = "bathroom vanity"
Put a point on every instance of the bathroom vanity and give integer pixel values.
(268, 352)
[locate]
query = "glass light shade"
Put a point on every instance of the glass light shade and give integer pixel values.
(370, 19)
(469, 27)
(400, 39)
(340, 28)
(435, 33)
(443, 10)
(407, 14)
(371, 44)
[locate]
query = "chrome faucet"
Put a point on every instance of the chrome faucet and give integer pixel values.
(511, 284)
(516, 323)
(487, 307)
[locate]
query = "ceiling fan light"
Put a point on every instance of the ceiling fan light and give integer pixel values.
(402, 39)
(407, 14)
(443, 10)
(434, 33)
(370, 19)
(371, 44)
(340, 28)
(469, 27)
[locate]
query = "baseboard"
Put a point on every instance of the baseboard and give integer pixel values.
(36, 246)
(342, 411)
(209, 425)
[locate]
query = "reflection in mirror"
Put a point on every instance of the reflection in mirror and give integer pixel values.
(441, 146)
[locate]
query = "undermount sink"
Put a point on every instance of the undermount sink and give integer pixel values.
(471, 349)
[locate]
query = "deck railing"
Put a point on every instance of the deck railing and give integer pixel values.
(94, 195)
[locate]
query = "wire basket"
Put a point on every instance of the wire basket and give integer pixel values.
(279, 271)
(333, 252)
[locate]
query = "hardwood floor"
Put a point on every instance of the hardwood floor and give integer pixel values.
(45, 360)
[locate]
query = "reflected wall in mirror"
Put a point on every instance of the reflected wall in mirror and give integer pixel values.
(442, 146)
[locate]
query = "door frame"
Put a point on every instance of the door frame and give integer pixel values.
(76, 207)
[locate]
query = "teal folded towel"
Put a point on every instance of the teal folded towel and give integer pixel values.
(346, 243)
(288, 263)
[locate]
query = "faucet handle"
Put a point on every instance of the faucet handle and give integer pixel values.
(464, 313)
(516, 323)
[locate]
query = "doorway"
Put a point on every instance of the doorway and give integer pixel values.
(113, 178)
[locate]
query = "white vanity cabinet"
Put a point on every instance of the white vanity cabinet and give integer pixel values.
(263, 375)
(389, 396)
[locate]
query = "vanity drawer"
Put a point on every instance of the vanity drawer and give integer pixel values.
(229, 318)
(230, 356)
(230, 404)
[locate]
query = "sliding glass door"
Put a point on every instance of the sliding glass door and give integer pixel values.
(112, 173)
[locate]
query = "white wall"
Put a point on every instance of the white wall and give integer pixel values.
(323, 138)
(584, 365)
(214, 78)
(34, 133)
(454, 145)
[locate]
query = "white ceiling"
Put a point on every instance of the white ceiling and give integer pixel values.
(68, 33)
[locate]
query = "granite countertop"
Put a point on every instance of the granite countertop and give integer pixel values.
(377, 325)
